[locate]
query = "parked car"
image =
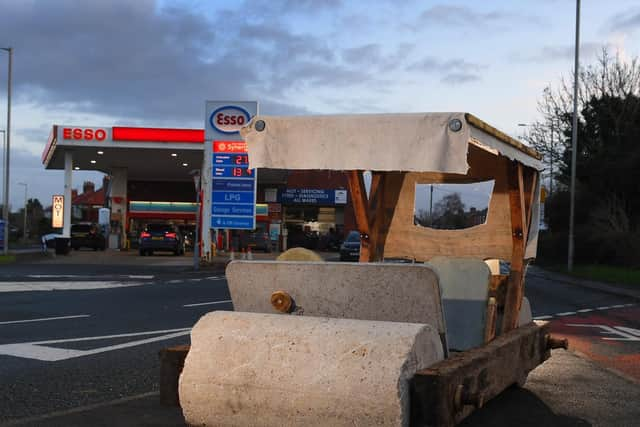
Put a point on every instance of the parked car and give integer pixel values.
(258, 239)
(161, 237)
(350, 248)
(87, 235)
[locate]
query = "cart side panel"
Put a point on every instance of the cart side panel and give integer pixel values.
(489, 240)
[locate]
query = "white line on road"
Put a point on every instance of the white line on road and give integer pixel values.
(44, 319)
(586, 310)
(566, 313)
(140, 276)
(207, 303)
(607, 307)
(35, 349)
(64, 286)
(542, 317)
(215, 278)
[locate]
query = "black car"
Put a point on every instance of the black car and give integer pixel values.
(87, 235)
(350, 248)
(258, 239)
(161, 237)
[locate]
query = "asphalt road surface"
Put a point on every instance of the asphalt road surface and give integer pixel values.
(76, 334)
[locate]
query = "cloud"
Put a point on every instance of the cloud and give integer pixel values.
(456, 17)
(459, 15)
(625, 22)
(451, 71)
(134, 61)
(560, 52)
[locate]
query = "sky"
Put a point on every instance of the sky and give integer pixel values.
(154, 63)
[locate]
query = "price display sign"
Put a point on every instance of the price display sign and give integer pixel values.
(234, 187)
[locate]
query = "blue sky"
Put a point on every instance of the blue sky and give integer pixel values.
(154, 63)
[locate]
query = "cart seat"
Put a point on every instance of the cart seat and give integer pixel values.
(464, 283)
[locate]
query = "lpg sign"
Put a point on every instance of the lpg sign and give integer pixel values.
(229, 119)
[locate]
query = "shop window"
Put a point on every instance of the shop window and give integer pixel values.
(452, 206)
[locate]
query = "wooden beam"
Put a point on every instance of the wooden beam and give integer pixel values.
(530, 201)
(360, 210)
(447, 392)
(384, 207)
(515, 288)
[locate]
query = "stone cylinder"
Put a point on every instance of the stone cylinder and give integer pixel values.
(255, 369)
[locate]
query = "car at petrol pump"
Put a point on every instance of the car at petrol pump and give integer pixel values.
(87, 235)
(157, 237)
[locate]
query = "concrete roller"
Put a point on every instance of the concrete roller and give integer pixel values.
(255, 369)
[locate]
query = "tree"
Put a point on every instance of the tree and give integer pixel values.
(449, 212)
(608, 157)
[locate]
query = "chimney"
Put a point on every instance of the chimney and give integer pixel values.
(88, 187)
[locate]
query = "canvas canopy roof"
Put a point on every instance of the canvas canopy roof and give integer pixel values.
(416, 142)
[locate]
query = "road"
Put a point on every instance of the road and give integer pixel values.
(76, 334)
(90, 345)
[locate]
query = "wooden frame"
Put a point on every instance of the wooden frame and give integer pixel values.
(385, 221)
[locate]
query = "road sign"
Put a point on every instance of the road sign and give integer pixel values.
(57, 211)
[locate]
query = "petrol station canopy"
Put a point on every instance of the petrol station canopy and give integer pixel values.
(147, 153)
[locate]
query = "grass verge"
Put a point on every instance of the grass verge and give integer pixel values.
(603, 273)
(6, 259)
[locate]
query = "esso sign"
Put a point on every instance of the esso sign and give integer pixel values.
(229, 119)
(84, 134)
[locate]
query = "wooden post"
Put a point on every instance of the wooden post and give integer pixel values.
(515, 287)
(374, 214)
(361, 211)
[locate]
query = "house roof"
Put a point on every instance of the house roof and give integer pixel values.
(90, 198)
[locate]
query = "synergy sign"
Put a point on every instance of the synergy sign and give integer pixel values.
(233, 189)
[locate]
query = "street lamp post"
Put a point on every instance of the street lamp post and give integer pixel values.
(24, 223)
(5, 213)
(574, 141)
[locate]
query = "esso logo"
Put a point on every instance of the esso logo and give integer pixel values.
(229, 119)
(84, 134)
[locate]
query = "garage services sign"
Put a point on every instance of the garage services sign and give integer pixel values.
(312, 196)
(233, 197)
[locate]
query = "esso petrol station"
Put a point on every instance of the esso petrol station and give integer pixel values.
(151, 174)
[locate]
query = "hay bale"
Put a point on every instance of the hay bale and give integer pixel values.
(299, 254)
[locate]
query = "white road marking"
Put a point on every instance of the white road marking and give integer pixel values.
(36, 349)
(44, 319)
(584, 310)
(174, 281)
(207, 303)
(63, 286)
(140, 276)
(623, 333)
(215, 278)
